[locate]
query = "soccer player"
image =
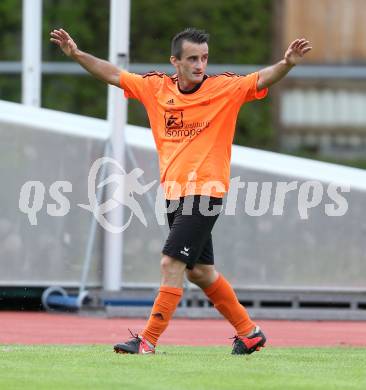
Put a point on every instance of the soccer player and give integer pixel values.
(192, 117)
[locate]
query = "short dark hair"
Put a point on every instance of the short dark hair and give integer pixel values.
(190, 34)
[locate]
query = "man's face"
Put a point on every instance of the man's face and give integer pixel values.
(191, 67)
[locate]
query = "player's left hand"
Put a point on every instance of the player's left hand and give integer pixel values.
(296, 51)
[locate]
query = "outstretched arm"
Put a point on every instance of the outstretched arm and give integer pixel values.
(293, 55)
(101, 69)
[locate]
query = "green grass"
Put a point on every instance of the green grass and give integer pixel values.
(174, 368)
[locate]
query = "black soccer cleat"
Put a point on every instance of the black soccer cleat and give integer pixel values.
(246, 345)
(137, 345)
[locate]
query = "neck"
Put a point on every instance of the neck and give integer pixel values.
(185, 85)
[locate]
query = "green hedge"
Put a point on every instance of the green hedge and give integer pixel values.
(240, 33)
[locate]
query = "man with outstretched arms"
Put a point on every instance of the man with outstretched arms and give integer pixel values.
(192, 117)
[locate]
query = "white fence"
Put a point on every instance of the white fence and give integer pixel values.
(266, 251)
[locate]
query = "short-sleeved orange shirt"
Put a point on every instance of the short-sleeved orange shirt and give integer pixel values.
(193, 132)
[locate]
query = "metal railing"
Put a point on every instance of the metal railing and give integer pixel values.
(302, 71)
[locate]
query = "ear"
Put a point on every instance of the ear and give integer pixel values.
(173, 60)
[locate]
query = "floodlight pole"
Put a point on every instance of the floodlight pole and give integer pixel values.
(31, 52)
(117, 117)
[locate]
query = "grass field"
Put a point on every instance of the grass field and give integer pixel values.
(175, 368)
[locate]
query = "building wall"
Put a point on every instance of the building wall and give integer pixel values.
(327, 113)
(336, 28)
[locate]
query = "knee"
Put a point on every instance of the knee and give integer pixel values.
(202, 276)
(165, 264)
(195, 275)
(170, 266)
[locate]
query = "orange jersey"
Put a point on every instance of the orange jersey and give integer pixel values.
(194, 131)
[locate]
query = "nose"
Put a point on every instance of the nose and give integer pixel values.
(199, 65)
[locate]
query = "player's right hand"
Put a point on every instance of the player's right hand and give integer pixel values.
(64, 41)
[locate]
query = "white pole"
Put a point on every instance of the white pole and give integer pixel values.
(31, 52)
(117, 117)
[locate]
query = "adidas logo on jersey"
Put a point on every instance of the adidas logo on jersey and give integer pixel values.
(171, 101)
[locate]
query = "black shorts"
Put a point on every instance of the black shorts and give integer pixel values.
(191, 220)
